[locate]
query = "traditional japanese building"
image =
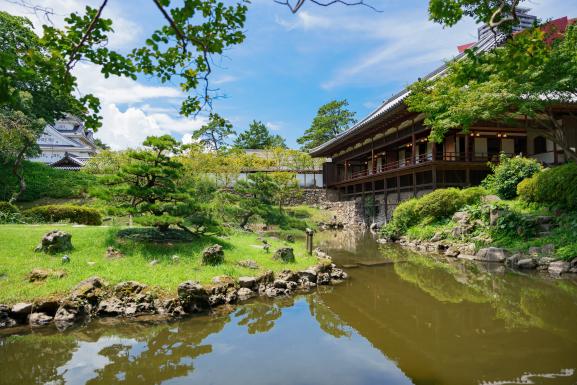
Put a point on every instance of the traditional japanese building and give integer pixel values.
(66, 145)
(387, 157)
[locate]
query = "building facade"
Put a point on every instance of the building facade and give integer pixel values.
(387, 157)
(66, 145)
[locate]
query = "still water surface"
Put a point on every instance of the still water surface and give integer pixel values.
(416, 321)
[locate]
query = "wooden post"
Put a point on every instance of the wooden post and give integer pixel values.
(434, 178)
(466, 148)
(309, 233)
(346, 169)
(414, 184)
(386, 199)
(414, 150)
(434, 157)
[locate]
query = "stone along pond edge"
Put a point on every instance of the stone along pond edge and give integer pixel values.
(93, 297)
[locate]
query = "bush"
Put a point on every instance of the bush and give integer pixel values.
(43, 181)
(404, 216)
(439, 204)
(75, 214)
(508, 174)
(8, 208)
(473, 195)
(554, 187)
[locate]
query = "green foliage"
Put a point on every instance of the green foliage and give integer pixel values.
(258, 137)
(473, 195)
(527, 75)
(8, 208)
(332, 119)
(404, 216)
(553, 187)
(74, 214)
(450, 12)
(213, 135)
(45, 182)
(508, 173)
(512, 222)
(439, 204)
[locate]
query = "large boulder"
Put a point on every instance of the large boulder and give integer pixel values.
(284, 254)
(128, 289)
(55, 241)
(5, 320)
(90, 289)
(21, 310)
(213, 255)
(245, 293)
(193, 297)
(527, 264)
(247, 282)
(112, 306)
(491, 254)
(71, 311)
(39, 319)
(249, 264)
(559, 267)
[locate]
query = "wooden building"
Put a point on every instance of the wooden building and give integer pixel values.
(387, 156)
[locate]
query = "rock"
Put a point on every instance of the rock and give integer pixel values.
(70, 312)
(39, 319)
(65, 259)
(494, 215)
(491, 254)
(175, 259)
(452, 252)
(90, 290)
(513, 260)
(111, 252)
(527, 264)
(310, 274)
(112, 306)
(461, 217)
(288, 275)
(247, 282)
(55, 241)
(290, 238)
(213, 255)
(574, 263)
(468, 248)
(154, 262)
(223, 280)
(128, 289)
(249, 264)
(338, 274)
(5, 320)
(490, 199)
(231, 295)
(265, 278)
(37, 275)
(467, 257)
(534, 251)
(272, 292)
(21, 310)
(323, 279)
(437, 237)
(461, 230)
(193, 297)
(245, 293)
(285, 254)
(279, 284)
(559, 267)
(173, 307)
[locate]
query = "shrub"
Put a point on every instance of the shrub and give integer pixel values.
(8, 208)
(553, 187)
(508, 174)
(473, 195)
(404, 216)
(439, 204)
(43, 181)
(75, 214)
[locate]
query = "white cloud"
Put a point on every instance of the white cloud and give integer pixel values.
(126, 129)
(224, 79)
(274, 126)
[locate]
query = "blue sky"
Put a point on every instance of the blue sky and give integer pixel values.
(288, 66)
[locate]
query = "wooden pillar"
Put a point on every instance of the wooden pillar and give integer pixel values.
(398, 189)
(414, 150)
(414, 184)
(434, 178)
(346, 169)
(386, 199)
(434, 157)
(372, 157)
(467, 148)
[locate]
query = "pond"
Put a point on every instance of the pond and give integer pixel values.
(415, 320)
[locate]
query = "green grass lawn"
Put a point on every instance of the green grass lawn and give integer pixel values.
(88, 259)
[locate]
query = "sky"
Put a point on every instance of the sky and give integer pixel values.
(288, 66)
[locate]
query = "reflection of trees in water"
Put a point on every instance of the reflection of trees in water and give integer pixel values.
(163, 353)
(520, 301)
(34, 359)
(259, 316)
(328, 321)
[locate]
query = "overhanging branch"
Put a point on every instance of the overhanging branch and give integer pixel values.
(295, 8)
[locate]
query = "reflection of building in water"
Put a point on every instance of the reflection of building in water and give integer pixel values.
(66, 145)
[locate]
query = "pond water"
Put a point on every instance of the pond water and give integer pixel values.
(414, 321)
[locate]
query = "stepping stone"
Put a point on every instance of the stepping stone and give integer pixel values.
(375, 263)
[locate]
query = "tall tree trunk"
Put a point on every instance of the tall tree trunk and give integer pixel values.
(18, 172)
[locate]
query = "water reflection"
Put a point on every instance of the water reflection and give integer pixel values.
(418, 321)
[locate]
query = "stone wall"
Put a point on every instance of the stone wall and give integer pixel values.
(349, 213)
(312, 197)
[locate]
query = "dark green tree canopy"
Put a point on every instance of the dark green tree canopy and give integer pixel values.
(332, 119)
(213, 135)
(258, 137)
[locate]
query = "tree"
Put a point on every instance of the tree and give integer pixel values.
(286, 187)
(149, 185)
(332, 119)
(213, 134)
(258, 137)
(101, 145)
(520, 83)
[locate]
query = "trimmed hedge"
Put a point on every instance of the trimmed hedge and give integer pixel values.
(43, 181)
(555, 187)
(74, 214)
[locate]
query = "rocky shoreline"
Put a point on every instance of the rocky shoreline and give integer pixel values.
(536, 258)
(94, 298)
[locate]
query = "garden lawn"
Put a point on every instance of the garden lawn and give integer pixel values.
(18, 259)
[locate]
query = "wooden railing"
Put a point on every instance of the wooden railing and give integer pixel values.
(425, 158)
